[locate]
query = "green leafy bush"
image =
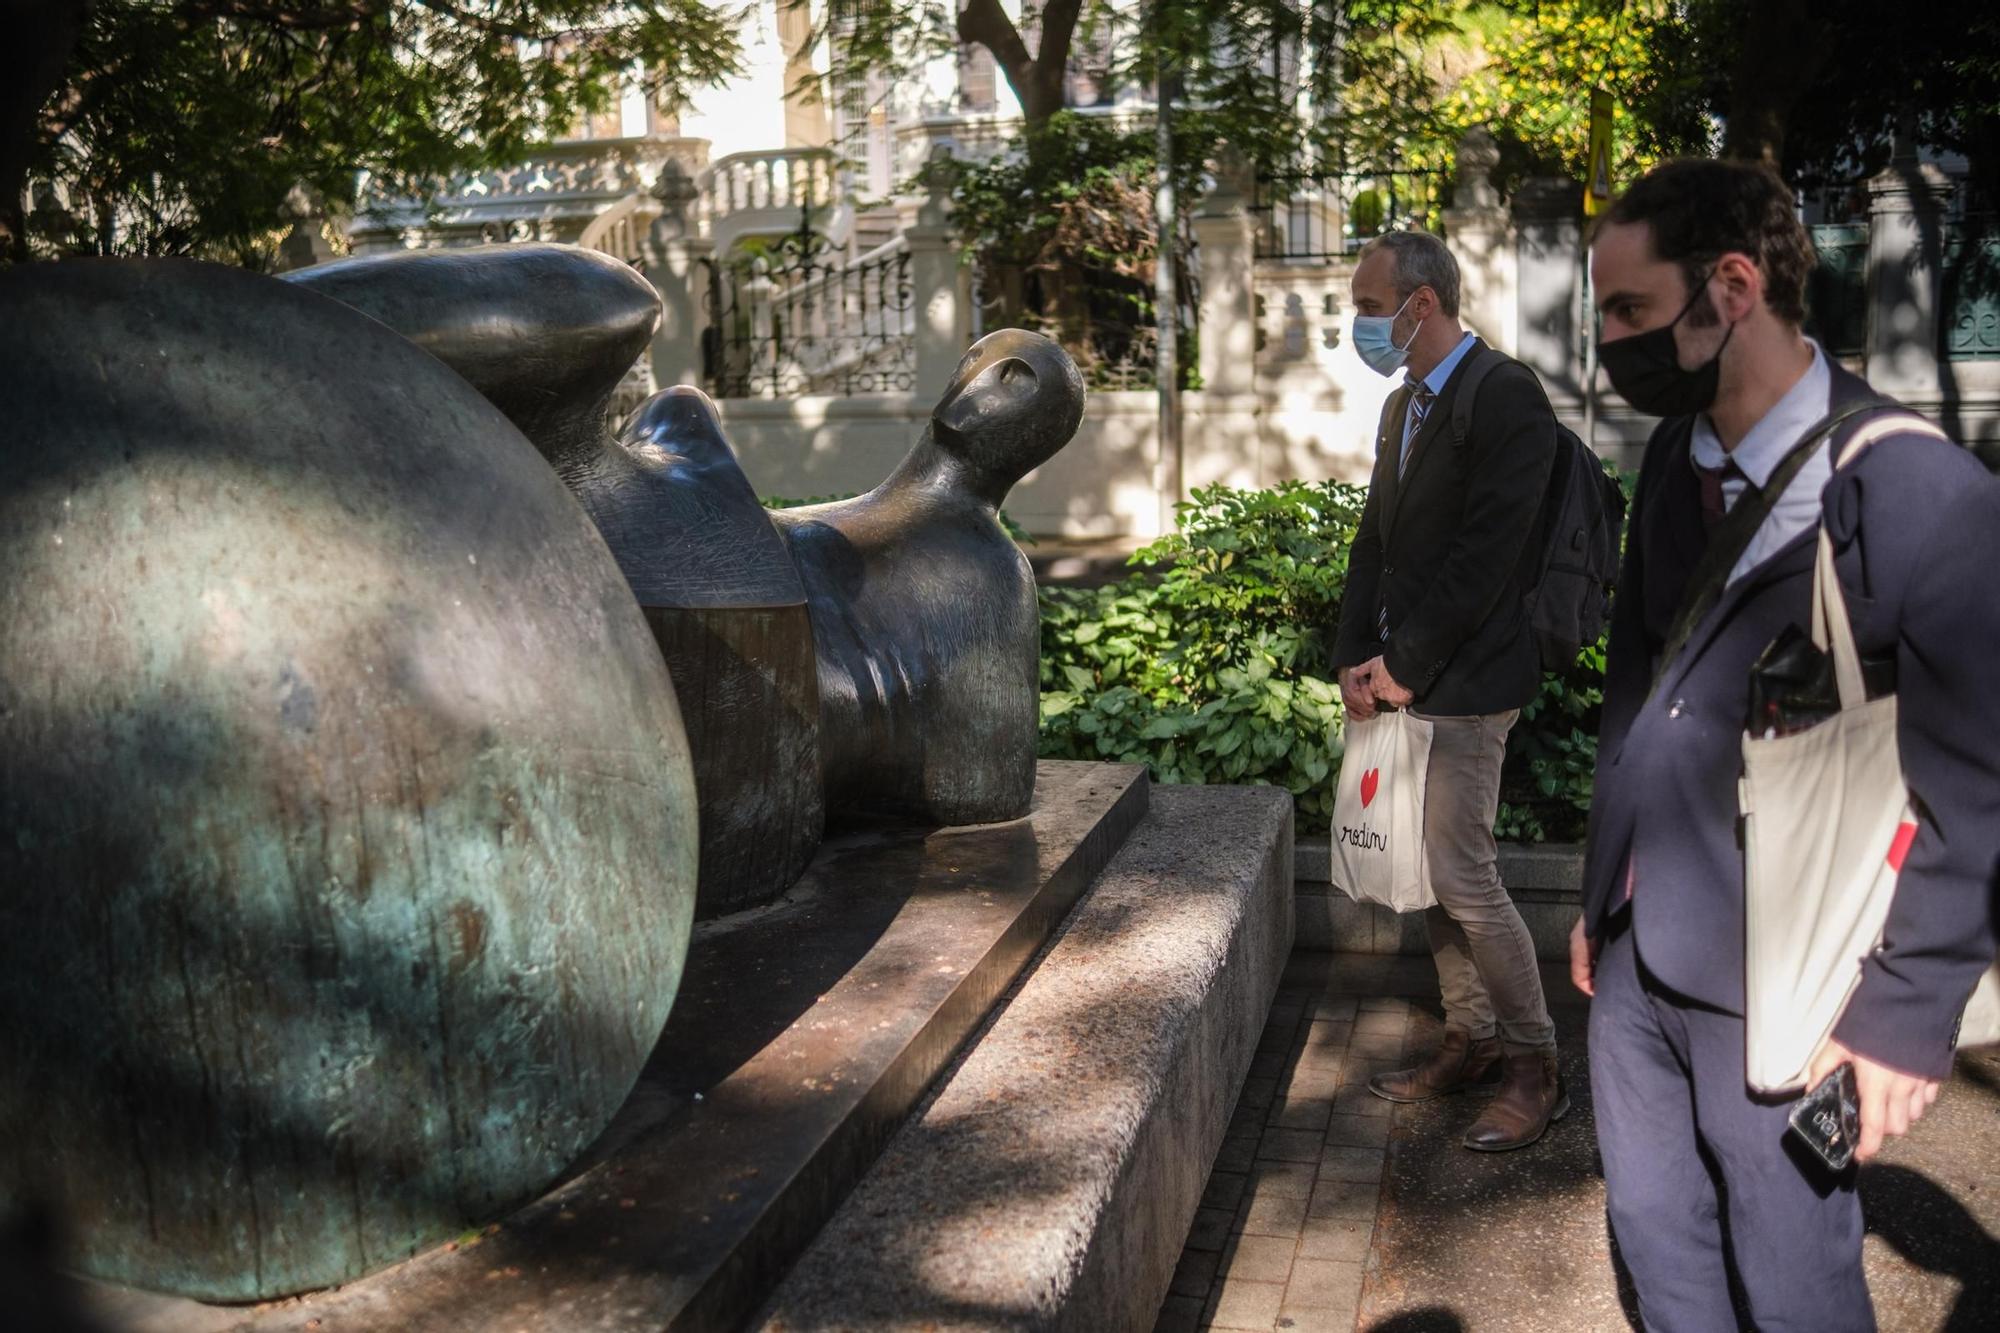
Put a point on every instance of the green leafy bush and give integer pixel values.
(1212, 663)
(1216, 667)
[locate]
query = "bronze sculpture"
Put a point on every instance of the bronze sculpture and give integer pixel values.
(346, 820)
(923, 609)
(546, 332)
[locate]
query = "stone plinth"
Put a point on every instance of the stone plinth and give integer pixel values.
(1053, 1178)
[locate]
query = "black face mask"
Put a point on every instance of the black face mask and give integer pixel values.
(1645, 368)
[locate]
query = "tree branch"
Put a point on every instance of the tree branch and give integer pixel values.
(983, 22)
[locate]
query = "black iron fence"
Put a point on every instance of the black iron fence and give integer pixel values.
(794, 317)
(1837, 289)
(1319, 214)
(1970, 300)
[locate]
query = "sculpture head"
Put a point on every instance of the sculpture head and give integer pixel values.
(1015, 400)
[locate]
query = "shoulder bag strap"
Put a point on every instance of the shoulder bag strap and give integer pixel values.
(1733, 534)
(1832, 631)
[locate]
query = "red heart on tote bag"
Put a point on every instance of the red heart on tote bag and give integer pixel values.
(1369, 782)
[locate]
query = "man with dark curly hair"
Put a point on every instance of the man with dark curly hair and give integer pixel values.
(1700, 273)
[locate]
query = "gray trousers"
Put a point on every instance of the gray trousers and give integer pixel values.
(1485, 957)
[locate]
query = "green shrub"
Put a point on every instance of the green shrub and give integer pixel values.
(1212, 663)
(1215, 668)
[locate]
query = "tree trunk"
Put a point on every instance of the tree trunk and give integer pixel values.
(1763, 89)
(1038, 79)
(31, 69)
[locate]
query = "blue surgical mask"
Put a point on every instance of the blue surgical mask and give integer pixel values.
(1375, 344)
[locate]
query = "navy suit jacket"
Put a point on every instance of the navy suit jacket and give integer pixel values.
(1915, 523)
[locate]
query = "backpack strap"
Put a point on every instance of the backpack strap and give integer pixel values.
(1481, 363)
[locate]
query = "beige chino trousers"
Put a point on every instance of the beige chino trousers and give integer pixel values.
(1487, 971)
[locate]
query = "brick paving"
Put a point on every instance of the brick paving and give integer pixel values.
(1283, 1234)
(1328, 1208)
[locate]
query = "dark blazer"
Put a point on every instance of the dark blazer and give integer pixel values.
(1916, 529)
(1451, 549)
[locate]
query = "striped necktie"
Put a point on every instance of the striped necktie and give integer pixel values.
(1421, 399)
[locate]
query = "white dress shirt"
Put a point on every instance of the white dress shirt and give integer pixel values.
(1760, 451)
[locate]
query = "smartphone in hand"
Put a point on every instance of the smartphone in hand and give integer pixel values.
(1828, 1118)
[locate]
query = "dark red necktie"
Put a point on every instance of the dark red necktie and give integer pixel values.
(1713, 503)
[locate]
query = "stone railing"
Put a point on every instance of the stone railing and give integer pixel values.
(556, 193)
(780, 179)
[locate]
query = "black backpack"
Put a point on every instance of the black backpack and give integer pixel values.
(1585, 512)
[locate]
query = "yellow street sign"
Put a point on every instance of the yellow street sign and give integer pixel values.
(1597, 184)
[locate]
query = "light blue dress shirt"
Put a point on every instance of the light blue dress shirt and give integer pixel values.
(1760, 451)
(1435, 381)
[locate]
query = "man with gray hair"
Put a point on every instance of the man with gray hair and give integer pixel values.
(1434, 619)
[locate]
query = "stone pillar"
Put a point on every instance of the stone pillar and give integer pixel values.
(942, 289)
(1906, 207)
(1481, 235)
(674, 254)
(305, 244)
(1548, 242)
(1223, 245)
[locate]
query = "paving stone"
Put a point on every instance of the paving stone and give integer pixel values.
(1210, 1229)
(1325, 1044)
(1322, 1081)
(1358, 1072)
(1347, 1163)
(1180, 1314)
(1270, 1064)
(1346, 1238)
(1301, 1113)
(1336, 1007)
(1285, 1180)
(1258, 1093)
(1289, 1145)
(1274, 1215)
(1248, 1305)
(1355, 1099)
(1376, 1046)
(1383, 1004)
(1258, 1259)
(1195, 1274)
(1236, 1155)
(1297, 1319)
(1350, 1199)
(1246, 1123)
(1325, 1284)
(1357, 1131)
(1274, 1039)
(1391, 1021)
(1224, 1190)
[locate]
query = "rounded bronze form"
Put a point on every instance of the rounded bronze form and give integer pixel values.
(347, 825)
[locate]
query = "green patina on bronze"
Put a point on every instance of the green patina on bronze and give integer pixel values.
(347, 825)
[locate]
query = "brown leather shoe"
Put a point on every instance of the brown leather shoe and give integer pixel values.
(1458, 1064)
(1531, 1098)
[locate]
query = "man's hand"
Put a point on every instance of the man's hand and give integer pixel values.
(1355, 691)
(1891, 1101)
(1387, 691)
(1582, 960)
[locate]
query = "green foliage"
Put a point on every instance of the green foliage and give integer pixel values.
(1211, 663)
(1215, 668)
(1064, 228)
(182, 125)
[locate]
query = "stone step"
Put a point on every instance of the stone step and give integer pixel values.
(1052, 1180)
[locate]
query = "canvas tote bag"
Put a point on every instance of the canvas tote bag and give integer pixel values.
(1827, 822)
(1378, 812)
